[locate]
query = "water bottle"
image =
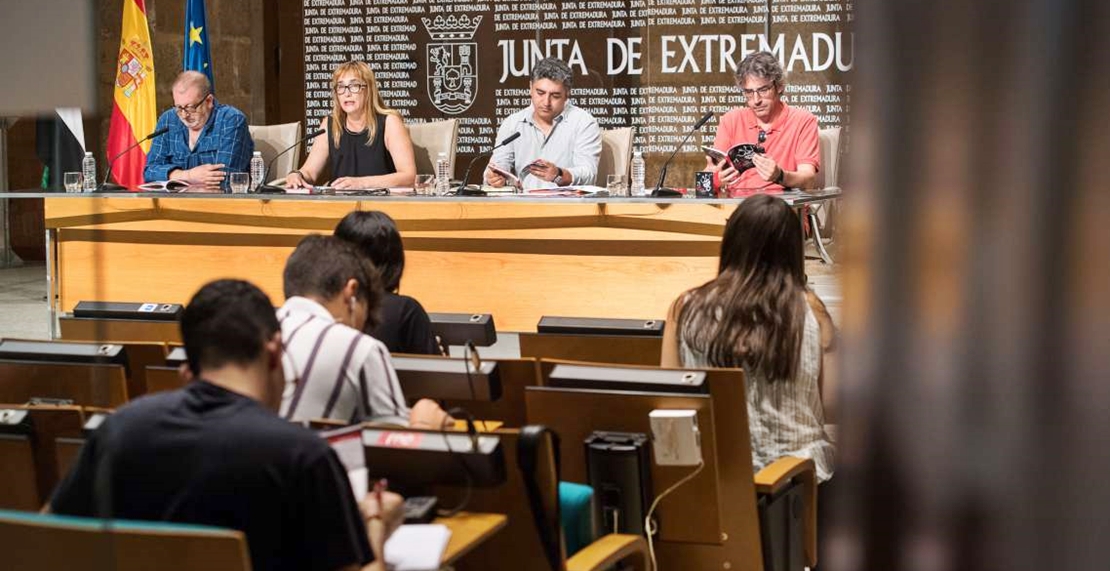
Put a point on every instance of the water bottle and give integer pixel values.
(443, 175)
(258, 171)
(88, 171)
(637, 186)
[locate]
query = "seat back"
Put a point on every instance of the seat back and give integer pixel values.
(86, 384)
(517, 545)
(273, 139)
(430, 139)
(162, 378)
(622, 349)
(34, 440)
(18, 489)
(830, 157)
(38, 541)
(616, 153)
(720, 501)
(515, 375)
(105, 330)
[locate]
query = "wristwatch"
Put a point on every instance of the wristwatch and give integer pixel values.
(781, 177)
(559, 177)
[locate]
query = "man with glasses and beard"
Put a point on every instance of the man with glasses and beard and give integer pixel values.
(206, 139)
(788, 134)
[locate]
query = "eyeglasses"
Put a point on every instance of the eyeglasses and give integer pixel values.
(352, 87)
(187, 110)
(761, 91)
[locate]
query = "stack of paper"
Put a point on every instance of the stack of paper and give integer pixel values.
(417, 547)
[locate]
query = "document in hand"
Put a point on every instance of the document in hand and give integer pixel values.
(164, 186)
(739, 155)
(510, 178)
(417, 547)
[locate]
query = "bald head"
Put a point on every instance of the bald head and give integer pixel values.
(188, 80)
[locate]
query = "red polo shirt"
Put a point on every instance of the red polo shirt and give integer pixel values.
(792, 140)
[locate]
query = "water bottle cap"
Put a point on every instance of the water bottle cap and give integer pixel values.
(258, 153)
(638, 154)
(88, 153)
(443, 154)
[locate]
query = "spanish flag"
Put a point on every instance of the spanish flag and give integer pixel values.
(134, 111)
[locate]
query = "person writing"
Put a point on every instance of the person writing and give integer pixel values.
(215, 452)
(364, 145)
(206, 139)
(758, 314)
(788, 134)
(333, 369)
(559, 144)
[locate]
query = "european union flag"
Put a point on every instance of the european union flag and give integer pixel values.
(197, 55)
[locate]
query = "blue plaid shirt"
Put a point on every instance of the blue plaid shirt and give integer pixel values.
(224, 140)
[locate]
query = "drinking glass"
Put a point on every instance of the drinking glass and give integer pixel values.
(73, 181)
(240, 182)
(617, 185)
(424, 184)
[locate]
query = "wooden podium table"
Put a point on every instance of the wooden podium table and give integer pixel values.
(517, 258)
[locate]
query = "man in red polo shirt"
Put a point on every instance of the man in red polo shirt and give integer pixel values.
(788, 134)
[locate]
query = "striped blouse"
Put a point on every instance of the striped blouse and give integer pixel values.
(784, 418)
(334, 371)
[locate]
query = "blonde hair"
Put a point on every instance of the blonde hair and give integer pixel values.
(372, 105)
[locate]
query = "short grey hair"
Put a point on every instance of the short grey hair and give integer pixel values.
(192, 78)
(761, 65)
(555, 70)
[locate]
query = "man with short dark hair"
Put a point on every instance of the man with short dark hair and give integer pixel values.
(214, 452)
(333, 369)
(788, 134)
(559, 144)
(206, 139)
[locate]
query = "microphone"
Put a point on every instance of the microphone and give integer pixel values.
(113, 187)
(265, 186)
(662, 192)
(464, 189)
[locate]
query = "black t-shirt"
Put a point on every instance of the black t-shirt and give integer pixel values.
(353, 157)
(206, 455)
(405, 327)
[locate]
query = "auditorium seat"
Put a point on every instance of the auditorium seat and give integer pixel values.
(35, 439)
(616, 153)
(726, 499)
(40, 541)
(273, 139)
(623, 349)
(431, 138)
(518, 545)
(85, 384)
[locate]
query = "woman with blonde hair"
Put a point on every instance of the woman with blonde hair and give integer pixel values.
(365, 144)
(758, 315)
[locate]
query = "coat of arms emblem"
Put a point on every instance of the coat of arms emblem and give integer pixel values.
(452, 62)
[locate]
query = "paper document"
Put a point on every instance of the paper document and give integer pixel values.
(417, 547)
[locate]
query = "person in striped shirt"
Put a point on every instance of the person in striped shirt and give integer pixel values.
(332, 369)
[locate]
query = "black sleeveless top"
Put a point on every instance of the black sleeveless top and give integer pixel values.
(353, 157)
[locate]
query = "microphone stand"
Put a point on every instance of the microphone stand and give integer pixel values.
(109, 186)
(464, 189)
(661, 191)
(267, 188)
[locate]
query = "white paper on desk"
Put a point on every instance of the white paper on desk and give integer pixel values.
(417, 547)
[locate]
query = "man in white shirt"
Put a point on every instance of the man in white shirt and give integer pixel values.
(333, 369)
(559, 143)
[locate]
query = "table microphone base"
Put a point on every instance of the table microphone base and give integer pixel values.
(270, 189)
(470, 191)
(666, 193)
(111, 187)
